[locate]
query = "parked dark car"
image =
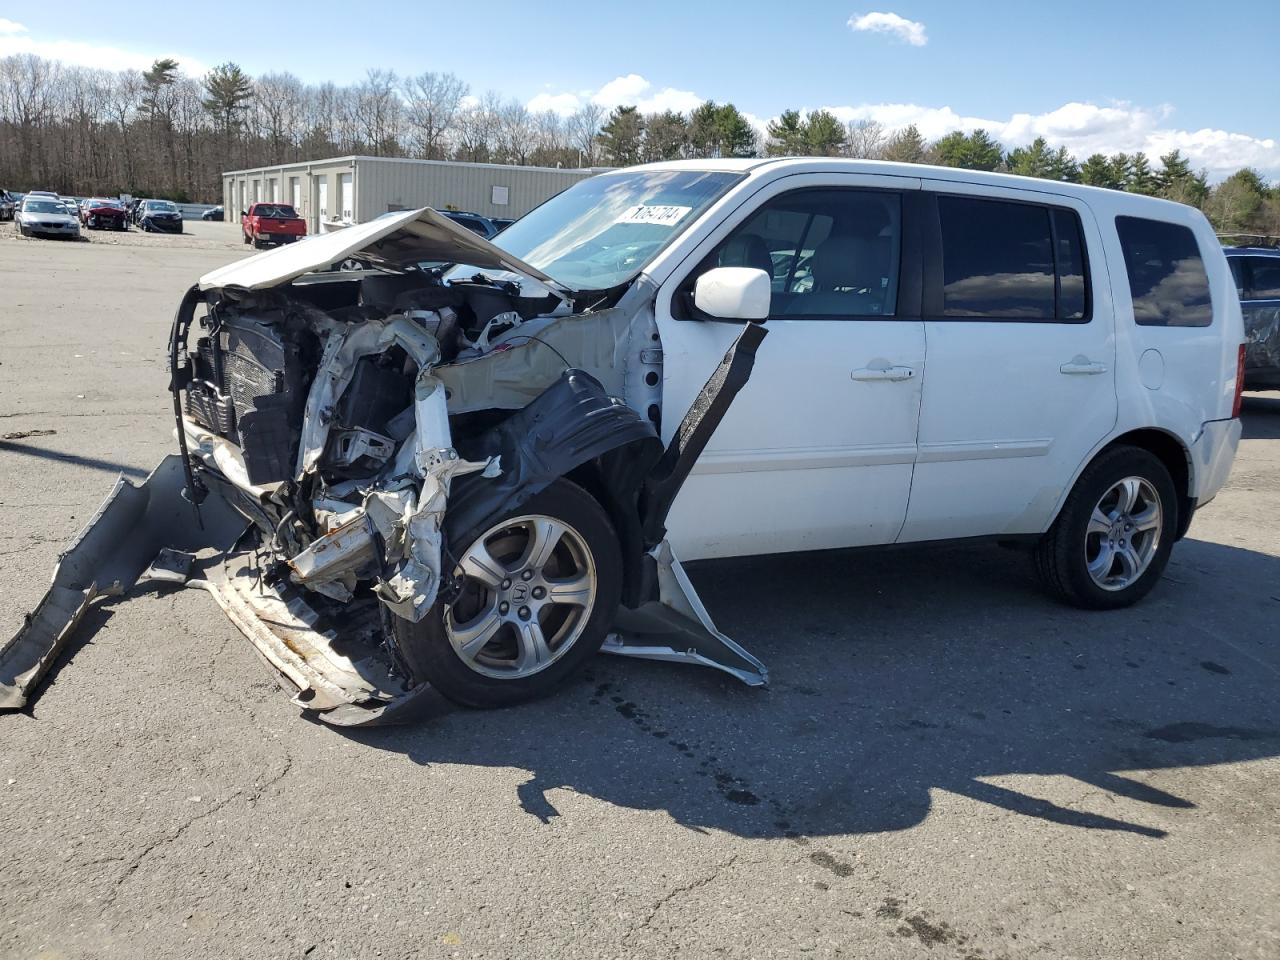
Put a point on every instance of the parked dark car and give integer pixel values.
(215, 213)
(473, 221)
(1257, 274)
(160, 216)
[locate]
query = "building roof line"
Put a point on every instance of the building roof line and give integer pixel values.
(353, 158)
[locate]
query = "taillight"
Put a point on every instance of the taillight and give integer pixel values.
(1235, 405)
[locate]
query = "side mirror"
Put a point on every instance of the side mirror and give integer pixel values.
(733, 293)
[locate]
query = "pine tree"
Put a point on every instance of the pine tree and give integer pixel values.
(1033, 161)
(786, 135)
(906, 146)
(620, 137)
(228, 91)
(1098, 171)
(824, 135)
(666, 135)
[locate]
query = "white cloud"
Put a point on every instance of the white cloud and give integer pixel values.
(1083, 128)
(561, 103)
(621, 91)
(630, 90)
(908, 31)
(15, 38)
(1087, 128)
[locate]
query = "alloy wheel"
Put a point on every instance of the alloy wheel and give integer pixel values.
(1123, 534)
(528, 586)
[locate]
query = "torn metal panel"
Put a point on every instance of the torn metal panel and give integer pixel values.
(107, 558)
(398, 240)
(1262, 345)
(533, 356)
(677, 628)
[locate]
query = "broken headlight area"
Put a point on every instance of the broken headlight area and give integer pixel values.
(399, 488)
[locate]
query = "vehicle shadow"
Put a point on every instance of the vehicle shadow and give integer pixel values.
(896, 674)
(1261, 417)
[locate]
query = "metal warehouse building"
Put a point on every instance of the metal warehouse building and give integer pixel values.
(345, 190)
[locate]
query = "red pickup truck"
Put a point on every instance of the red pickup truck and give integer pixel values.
(268, 223)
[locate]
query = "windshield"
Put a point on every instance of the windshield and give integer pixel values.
(277, 211)
(603, 231)
(43, 206)
(164, 205)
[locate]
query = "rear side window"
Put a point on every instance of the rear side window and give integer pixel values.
(1011, 261)
(1264, 278)
(1166, 273)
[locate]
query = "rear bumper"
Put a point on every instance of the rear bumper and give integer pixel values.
(278, 237)
(1211, 457)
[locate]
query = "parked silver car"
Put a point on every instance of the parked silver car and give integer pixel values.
(43, 216)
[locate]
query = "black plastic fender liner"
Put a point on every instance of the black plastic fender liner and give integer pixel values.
(572, 422)
(690, 438)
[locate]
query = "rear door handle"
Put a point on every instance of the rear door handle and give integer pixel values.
(891, 373)
(1083, 366)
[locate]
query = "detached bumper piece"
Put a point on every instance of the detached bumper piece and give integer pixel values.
(107, 558)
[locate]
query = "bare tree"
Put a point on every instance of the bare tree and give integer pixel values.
(377, 109)
(432, 102)
(865, 139)
(584, 131)
(515, 130)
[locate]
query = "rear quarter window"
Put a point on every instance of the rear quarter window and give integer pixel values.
(1167, 279)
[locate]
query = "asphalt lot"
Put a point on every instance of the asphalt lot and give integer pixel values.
(947, 765)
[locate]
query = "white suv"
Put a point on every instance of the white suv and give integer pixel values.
(470, 480)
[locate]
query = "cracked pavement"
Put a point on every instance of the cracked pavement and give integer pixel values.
(947, 765)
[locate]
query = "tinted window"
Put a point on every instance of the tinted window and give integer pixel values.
(1238, 274)
(828, 253)
(997, 259)
(1264, 280)
(1166, 274)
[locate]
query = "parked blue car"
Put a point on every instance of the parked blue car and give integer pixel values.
(1257, 274)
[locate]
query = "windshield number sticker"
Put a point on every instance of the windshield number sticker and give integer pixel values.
(666, 215)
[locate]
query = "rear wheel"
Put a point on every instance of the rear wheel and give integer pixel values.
(1112, 540)
(539, 589)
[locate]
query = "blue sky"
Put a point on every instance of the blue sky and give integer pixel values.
(1090, 75)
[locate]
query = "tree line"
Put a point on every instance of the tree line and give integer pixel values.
(163, 133)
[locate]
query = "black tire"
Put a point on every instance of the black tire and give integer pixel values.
(425, 645)
(1061, 554)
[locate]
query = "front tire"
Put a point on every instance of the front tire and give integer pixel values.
(540, 588)
(1111, 542)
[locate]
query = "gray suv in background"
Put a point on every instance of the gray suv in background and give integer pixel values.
(1257, 275)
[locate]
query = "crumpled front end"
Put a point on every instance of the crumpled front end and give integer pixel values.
(341, 441)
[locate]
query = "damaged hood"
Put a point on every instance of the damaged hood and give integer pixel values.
(397, 240)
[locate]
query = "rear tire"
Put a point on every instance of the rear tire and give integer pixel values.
(540, 590)
(1111, 542)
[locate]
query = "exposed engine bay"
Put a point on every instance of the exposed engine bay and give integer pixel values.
(344, 437)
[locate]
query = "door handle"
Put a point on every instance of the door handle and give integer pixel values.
(1081, 365)
(890, 373)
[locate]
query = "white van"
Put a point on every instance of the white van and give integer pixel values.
(482, 459)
